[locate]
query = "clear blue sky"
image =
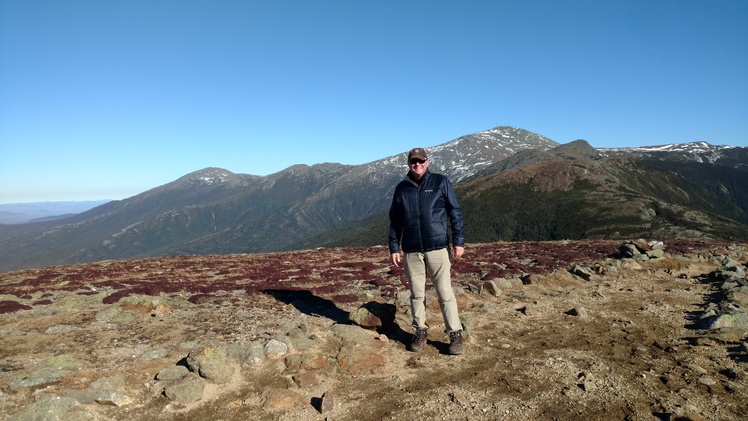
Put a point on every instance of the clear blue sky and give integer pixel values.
(107, 99)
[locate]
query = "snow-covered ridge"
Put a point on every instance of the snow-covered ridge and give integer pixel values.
(693, 147)
(700, 151)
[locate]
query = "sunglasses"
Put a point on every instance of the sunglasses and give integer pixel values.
(415, 161)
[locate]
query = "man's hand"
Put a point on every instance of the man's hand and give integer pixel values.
(395, 259)
(457, 252)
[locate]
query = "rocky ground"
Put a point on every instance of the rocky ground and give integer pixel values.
(554, 330)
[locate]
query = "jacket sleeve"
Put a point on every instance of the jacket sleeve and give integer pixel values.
(396, 226)
(455, 217)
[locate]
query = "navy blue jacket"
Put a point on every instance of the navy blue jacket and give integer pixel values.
(421, 213)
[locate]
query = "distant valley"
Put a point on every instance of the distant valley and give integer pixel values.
(18, 213)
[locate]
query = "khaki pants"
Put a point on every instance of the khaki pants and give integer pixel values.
(435, 263)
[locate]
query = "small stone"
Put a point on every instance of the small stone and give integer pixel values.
(578, 312)
(459, 398)
(706, 380)
(581, 272)
(327, 404)
(530, 279)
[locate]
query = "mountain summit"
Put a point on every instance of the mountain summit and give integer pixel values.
(513, 184)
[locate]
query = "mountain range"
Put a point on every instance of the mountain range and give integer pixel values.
(18, 213)
(512, 185)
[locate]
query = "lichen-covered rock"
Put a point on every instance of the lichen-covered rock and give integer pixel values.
(54, 409)
(51, 371)
(173, 373)
(210, 362)
(728, 320)
(110, 391)
(275, 349)
(187, 390)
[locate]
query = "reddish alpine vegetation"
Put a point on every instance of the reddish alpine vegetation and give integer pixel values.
(335, 274)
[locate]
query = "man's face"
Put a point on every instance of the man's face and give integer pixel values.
(418, 167)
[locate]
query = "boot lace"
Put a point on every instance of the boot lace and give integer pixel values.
(419, 335)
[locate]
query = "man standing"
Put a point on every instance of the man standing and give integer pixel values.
(423, 207)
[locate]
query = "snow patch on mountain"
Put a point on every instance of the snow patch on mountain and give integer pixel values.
(700, 151)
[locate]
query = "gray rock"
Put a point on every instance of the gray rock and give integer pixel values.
(210, 362)
(508, 283)
(53, 370)
(275, 349)
(59, 329)
(730, 270)
(173, 373)
(655, 254)
(107, 314)
(248, 352)
(628, 250)
(728, 320)
(187, 390)
(53, 409)
(403, 298)
(110, 391)
(351, 334)
(153, 354)
(81, 396)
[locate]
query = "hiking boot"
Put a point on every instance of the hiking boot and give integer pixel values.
(419, 340)
(455, 345)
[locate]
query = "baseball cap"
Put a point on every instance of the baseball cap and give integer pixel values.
(418, 153)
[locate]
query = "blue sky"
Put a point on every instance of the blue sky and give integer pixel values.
(107, 99)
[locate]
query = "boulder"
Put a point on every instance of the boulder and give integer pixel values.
(374, 315)
(188, 390)
(110, 391)
(210, 362)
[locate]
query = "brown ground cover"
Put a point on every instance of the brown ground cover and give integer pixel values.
(634, 352)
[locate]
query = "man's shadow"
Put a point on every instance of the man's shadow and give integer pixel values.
(312, 305)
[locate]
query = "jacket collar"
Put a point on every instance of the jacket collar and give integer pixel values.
(426, 175)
